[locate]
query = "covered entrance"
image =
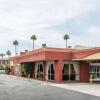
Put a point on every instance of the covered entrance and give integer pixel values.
(50, 71)
(70, 71)
(39, 70)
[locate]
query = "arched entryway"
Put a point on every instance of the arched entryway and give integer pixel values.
(70, 71)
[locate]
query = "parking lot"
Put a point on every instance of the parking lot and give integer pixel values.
(21, 89)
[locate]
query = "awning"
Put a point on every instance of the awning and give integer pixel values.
(95, 56)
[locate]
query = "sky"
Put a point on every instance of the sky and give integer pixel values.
(49, 20)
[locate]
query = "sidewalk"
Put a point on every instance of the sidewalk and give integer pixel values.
(87, 88)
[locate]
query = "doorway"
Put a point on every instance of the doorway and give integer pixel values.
(70, 71)
(39, 71)
(50, 71)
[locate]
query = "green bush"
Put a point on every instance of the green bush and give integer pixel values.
(26, 70)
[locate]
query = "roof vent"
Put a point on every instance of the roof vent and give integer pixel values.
(43, 45)
(26, 50)
(69, 46)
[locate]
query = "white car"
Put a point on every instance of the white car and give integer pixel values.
(2, 71)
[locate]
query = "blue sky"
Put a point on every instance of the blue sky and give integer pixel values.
(49, 20)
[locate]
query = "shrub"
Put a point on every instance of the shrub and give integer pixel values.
(26, 70)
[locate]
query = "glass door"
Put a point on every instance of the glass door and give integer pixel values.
(51, 72)
(68, 72)
(72, 72)
(65, 73)
(40, 71)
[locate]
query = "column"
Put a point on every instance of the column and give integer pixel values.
(84, 71)
(58, 70)
(44, 71)
(33, 70)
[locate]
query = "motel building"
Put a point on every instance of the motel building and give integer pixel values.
(61, 64)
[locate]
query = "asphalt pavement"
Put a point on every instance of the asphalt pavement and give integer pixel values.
(20, 89)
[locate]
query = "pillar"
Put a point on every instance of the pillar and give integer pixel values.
(33, 70)
(44, 71)
(84, 71)
(58, 70)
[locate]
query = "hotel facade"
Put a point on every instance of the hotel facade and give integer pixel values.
(59, 64)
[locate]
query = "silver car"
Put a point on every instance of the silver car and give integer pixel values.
(2, 71)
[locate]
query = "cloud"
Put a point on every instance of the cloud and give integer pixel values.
(94, 30)
(19, 19)
(89, 37)
(40, 14)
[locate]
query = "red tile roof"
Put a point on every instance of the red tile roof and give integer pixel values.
(76, 54)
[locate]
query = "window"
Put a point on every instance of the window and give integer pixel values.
(95, 71)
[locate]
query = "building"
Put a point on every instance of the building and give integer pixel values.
(61, 64)
(4, 62)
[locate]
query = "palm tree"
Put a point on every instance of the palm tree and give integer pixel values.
(66, 37)
(33, 38)
(2, 55)
(15, 43)
(8, 54)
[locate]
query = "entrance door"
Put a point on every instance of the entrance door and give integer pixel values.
(72, 72)
(65, 73)
(51, 72)
(68, 72)
(40, 71)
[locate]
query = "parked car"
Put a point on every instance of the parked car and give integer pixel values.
(2, 70)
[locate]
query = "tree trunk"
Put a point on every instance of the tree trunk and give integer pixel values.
(66, 43)
(15, 50)
(8, 61)
(33, 44)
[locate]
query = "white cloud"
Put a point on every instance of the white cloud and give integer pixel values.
(90, 37)
(40, 14)
(94, 30)
(19, 19)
